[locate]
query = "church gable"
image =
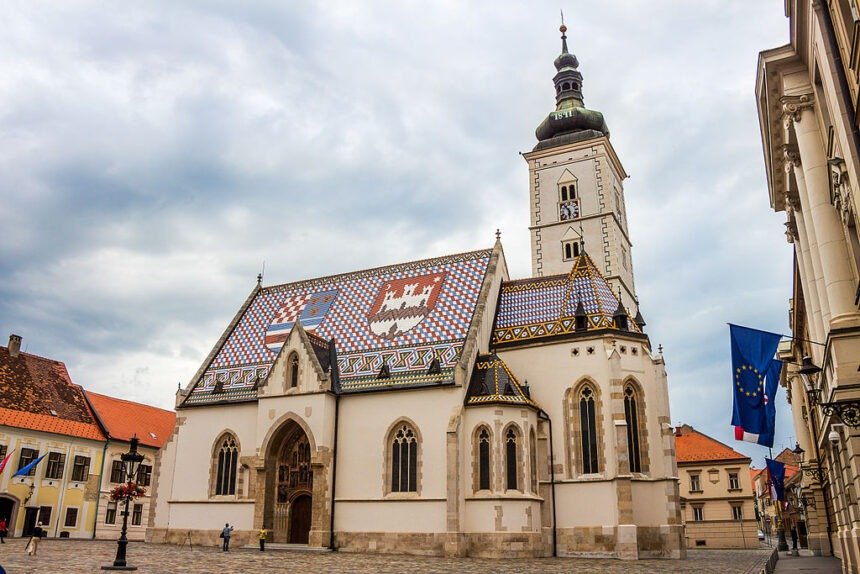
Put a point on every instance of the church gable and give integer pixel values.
(542, 307)
(395, 326)
(302, 365)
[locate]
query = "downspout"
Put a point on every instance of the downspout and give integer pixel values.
(335, 386)
(543, 415)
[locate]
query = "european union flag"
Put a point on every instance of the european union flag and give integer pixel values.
(776, 471)
(754, 411)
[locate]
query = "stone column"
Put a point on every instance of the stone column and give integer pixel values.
(838, 276)
(815, 284)
(320, 534)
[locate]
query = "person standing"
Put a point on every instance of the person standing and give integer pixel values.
(262, 536)
(2, 531)
(225, 534)
(33, 544)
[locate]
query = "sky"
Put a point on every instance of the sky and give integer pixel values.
(155, 157)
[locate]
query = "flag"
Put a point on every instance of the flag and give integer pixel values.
(752, 362)
(26, 469)
(5, 460)
(771, 387)
(776, 472)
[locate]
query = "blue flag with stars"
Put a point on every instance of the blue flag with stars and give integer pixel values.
(755, 379)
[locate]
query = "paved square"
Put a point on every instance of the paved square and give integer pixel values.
(86, 557)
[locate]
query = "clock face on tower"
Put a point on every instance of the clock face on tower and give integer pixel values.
(568, 210)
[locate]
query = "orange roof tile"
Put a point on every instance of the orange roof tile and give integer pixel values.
(50, 423)
(153, 426)
(693, 446)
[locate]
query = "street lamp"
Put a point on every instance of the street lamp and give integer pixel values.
(131, 460)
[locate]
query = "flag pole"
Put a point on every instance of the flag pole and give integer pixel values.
(780, 334)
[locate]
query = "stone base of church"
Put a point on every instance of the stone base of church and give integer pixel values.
(238, 539)
(624, 542)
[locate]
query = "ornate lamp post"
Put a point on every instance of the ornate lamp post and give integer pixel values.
(131, 460)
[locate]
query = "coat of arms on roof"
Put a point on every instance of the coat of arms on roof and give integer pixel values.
(309, 308)
(401, 304)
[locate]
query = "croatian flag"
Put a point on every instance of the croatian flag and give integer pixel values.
(309, 308)
(776, 472)
(755, 377)
(5, 460)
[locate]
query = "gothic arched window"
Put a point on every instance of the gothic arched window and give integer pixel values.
(225, 473)
(484, 448)
(293, 365)
(404, 459)
(511, 467)
(588, 430)
(634, 415)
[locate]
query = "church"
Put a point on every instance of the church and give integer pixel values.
(440, 407)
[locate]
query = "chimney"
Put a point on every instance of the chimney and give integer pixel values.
(678, 430)
(14, 345)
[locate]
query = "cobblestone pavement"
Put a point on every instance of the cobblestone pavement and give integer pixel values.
(86, 557)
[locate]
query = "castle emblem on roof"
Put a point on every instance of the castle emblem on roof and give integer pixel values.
(402, 304)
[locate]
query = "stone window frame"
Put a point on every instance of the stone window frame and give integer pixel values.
(570, 249)
(213, 466)
(573, 436)
(737, 511)
(476, 457)
(698, 512)
(293, 371)
(695, 481)
(388, 459)
(518, 451)
(737, 475)
(641, 423)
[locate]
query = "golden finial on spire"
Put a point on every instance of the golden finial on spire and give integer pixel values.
(563, 28)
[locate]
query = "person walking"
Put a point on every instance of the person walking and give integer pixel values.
(2, 531)
(225, 534)
(33, 544)
(262, 536)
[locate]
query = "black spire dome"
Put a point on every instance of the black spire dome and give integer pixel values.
(571, 121)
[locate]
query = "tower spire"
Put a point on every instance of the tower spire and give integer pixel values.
(563, 29)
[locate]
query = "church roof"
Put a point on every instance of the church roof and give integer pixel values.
(395, 326)
(493, 382)
(542, 307)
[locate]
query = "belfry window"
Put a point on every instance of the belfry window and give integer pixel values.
(511, 460)
(228, 458)
(570, 249)
(588, 430)
(631, 416)
(484, 459)
(404, 460)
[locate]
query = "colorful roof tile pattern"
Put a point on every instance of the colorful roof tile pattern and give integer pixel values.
(124, 419)
(693, 446)
(37, 393)
(401, 316)
(546, 306)
(493, 382)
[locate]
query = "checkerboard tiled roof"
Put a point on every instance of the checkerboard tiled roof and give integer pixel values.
(693, 446)
(37, 393)
(542, 307)
(406, 317)
(493, 382)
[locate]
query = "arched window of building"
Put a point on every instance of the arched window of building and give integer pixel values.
(631, 415)
(293, 366)
(588, 430)
(511, 460)
(225, 472)
(404, 459)
(484, 452)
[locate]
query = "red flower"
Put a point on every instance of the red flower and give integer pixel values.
(130, 490)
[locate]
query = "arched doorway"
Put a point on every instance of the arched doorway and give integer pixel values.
(8, 511)
(291, 495)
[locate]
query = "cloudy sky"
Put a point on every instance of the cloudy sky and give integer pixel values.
(153, 158)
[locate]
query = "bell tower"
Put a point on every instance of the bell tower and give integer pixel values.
(576, 188)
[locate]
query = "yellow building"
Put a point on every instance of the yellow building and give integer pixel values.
(42, 413)
(717, 499)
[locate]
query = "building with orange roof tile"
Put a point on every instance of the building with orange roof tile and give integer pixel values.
(82, 435)
(122, 420)
(718, 506)
(43, 413)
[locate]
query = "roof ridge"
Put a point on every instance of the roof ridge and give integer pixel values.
(423, 262)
